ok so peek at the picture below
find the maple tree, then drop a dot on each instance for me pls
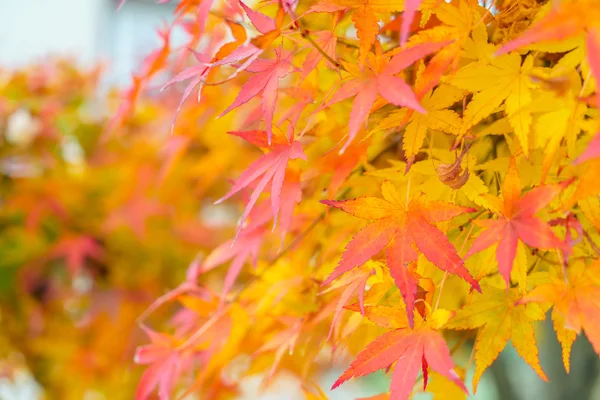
(406, 181)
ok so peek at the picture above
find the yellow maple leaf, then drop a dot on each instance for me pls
(504, 79)
(443, 388)
(499, 318)
(438, 117)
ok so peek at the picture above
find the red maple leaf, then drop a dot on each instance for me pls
(517, 222)
(415, 350)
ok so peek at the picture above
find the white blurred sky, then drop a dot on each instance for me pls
(89, 30)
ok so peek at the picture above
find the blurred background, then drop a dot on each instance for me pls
(87, 241)
(91, 31)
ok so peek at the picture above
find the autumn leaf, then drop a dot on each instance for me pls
(410, 8)
(402, 228)
(327, 41)
(241, 251)
(575, 305)
(458, 21)
(563, 22)
(517, 221)
(265, 82)
(367, 28)
(75, 249)
(380, 78)
(499, 318)
(421, 348)
(269, 168)
(504, 79)
(438, 117)
(199, 73)
(165, 365)
(354, 284)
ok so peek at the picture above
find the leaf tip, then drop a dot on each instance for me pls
(331, 203)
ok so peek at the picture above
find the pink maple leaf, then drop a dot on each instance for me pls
(135, 214)
(410, 8)
(269, 168)
(327, 42)
(75, 249)
(354, 282)
(381, 80)
(265, 82)
(165, 365)
(238, 252)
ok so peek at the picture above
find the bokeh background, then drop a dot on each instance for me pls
(88, 241)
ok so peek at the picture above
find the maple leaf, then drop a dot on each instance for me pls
(134, 214)
(270, 167)
(459, 21)
(438, 118)
(235, 52)
(341, 166)
(367, 27)
(199, 73)
(353, 283)
(75, 249)
(504, 79)
(564, 120)
(380, 78)
(156, 60)
(402, 228)
(500, 318)
(575, 305)
(284, 340)
(240, 251)
(326, 40)
(517, 221)
(265, 82)
(568, 20)
(410, 8)
(268, 27)
(415, 349)
(166, 364)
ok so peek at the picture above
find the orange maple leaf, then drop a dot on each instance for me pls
(576, 305)
(402, 227)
